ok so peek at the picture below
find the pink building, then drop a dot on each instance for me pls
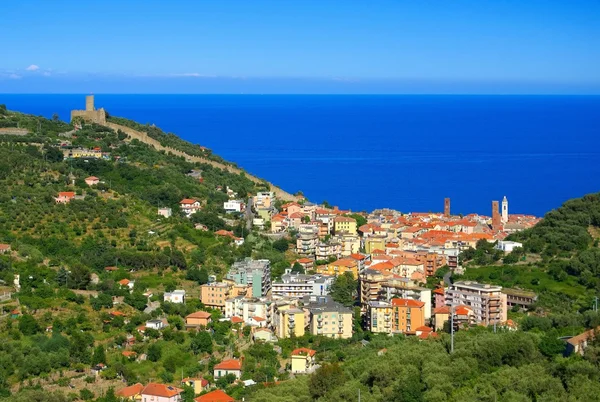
(92, 180)
(154, 392)
(65, 197)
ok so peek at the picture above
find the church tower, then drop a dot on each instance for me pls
(504, 210)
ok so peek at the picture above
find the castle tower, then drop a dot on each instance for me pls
(89, 103)
(446, 207)
(496, 219)
(504, 210)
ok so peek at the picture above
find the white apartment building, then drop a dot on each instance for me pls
(487, 301)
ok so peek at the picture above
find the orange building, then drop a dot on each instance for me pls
(214, 295)
(408, 314)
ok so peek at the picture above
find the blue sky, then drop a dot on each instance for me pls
(308, 46)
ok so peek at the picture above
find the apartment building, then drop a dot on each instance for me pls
(329, 249)
(289, 321)
(488, 303)
(343, 224)
(299, 285)
(340, 267)
(307, 240)
(327, 317)
(407, 315)
(215, 294)
(250, 310)
(378, 318)
(254, 273)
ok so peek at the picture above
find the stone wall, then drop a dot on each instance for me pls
(13, 131)
(95, 116)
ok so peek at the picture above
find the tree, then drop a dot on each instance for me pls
(343, 289)
(154, 352)
(281, 245)
(198, 275)
(55, 117)
(325, 379)
(53, 154)
(28, 325)
(99, 355)
(202, 343)
(297, 268)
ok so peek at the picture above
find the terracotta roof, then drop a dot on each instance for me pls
(439, 291)
(237, 320)
(217, 395)
(124, 282)
(442, 310)
(199, 314)
(424, 328)
(4, 246)
(69, 194)
(188, 201)
(111, 268)
(129, 353)
(231, 364)
(303, 352)
(258, 319)
(426, 335)
(130, 391)
(407, 303)
(92, 178)
(345, 262)
(577, 339)
(166, 391)
(304, 260)
(359, 257)
(117, 314)
(462, 310)
(344, 219)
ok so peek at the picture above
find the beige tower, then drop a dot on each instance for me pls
(504, 210)
(89, 103)
(446, 207)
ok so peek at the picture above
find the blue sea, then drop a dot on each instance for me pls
(405, 152)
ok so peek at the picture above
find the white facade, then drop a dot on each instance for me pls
(155, 324)
(166, 212)
(504, 210)
(234, 206)
(298, 285)
(176, 296)
(508, 246)
(247, 309)
(190, 206)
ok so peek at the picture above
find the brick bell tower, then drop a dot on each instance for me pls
(446, 207)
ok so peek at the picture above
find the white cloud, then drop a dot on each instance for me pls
(46, 74)
(14, 76)
(33, 67)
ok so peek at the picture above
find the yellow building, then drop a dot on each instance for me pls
(303, 360)
(198, 384)
(290, 321)
(343, 224)
(374, 243)
(328, 318)
(215, 294)
(339, 267)
(379, 316)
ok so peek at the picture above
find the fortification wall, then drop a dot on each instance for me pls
(13, 131)
(95, 116)
(143, 137)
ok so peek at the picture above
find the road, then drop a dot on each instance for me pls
(249, 215)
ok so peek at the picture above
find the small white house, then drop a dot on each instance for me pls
(155, 324)
(231, 366)
(166, 212)
(234, 206)
(508, 246)
(176, 296)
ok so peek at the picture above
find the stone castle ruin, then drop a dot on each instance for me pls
(90, 113)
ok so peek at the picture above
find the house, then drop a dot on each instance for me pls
(342, 224)
(198, 384)
(407, 315)
(131, 393)
(126, 283)
(215, 294)
(4, 248)
(197, 319)
(303, 360)
(130, 354)
(92, 180)
(508, 246)
(217, 395)
(155, 324)
(176, 296)
(579, 343)
(154, 392)
(234, 206)
(264, 334)
(231, 366)
(189, 206)
(98, 368)
(237, 320)
(166, 212)
(339, 267)
(65, 197)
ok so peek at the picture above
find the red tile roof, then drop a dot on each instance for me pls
(442, 310)
(217, 395)
(237, 320)
(129, 353)
(92, 178)
(231, 364)
(69, 194)
(188, 201)
(166, 391)
(259, 319)
(4, 247)
(124, 282)
(407, 303)
(303, 352)
(199, 314)
(130, 391)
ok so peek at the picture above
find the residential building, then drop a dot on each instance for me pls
(508, 246)
(264, 335)
(5, 248)
(488, 303)
(264, 199)
(252, 311)
(218, 395)
(299, 285)
(215, 294)
(198, 384)
(289, 321)
(234, 206)
(176, 296)
(189, 206)
(155, 324)
(379, 317)
(343, 224)
(131, 393)
(154, 392)
(374, 242)
(254, 273)
(324, 250)
(306, 263)
(92, 180)
(407, 315)
(308, 238)
(519, 297)
(327, 317)
(303, 361)
(64, 197)
(166, 212)
(197, 319)
(350, 243)
(339, 267)
(231, 366)
(578, 344)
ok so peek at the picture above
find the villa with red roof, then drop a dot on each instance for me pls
(4, 248)
(133, 392)
(189, 206)
(303, 360)
(161, 393)
(231, 366)
(64, 197)
(217, 395)
(92, 180)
